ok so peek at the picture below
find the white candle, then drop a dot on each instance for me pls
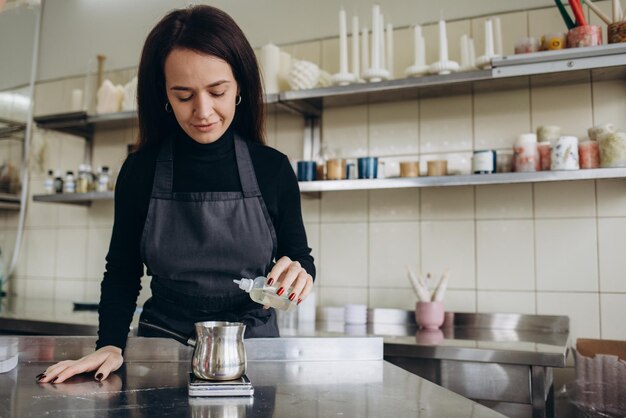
(472, 52)
(488, 38)
(417, 34)
(365, 50)
(270, 65)
(343, 43)
(381, 41)
(497, 36)
(443, 42)
(355, 47)
(390, 48)
(77, 100)
(375, 38)
(465, 51)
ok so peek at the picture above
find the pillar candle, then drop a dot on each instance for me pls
(375, 38)
(355, 47)
(77, 99)
(497, 36)
(472, 52)
(365, 50)
(343, 43)
(381, 41)
(488, 38)
(389, 33)
(443, 42)
(270, 64)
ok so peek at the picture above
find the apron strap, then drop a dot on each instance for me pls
(164, 172)
(249, 185)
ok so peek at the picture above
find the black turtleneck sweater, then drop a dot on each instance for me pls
(197, 168)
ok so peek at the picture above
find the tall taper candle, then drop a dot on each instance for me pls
(488, 38)
(343, 43)
(465, 51)
(417, 34)
(381, 40)
(355, 47)
(389, 33)
(365, 50)
(375, 37)
(443, 42)
(497, 39)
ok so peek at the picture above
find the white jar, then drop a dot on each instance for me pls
(565, 154)
(526, 154)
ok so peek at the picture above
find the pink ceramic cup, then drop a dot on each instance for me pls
(429, 315)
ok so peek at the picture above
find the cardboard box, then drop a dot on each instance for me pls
(600, 388)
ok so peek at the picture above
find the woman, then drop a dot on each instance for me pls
(201, 201)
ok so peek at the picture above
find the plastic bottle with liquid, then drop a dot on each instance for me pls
(69, 185)
(261, 293)
(48, 183)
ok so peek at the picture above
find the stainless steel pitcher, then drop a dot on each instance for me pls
(219, 352)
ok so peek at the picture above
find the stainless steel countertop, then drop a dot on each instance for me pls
(314, 378)
(540, 340)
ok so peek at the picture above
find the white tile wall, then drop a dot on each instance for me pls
(613, 308)
(392, 247)
(546, 248)
(504, 255)
(566, 252)
(582, 308)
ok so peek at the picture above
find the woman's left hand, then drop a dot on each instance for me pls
(287, 274)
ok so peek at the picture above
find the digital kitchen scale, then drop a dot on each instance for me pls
(223, 388)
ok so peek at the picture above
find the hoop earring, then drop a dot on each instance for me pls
(168, 107)
(238, 100)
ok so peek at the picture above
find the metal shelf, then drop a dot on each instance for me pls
(9, 201)
(546, 68)
(461, 180)
(74, 198)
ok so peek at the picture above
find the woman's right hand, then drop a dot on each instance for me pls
(104, 360)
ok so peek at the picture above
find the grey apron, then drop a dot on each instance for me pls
(195, 243)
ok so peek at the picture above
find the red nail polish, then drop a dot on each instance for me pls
(292, 297)
(54, 380)
(270, 282)
(280, 291)
(99, 377)
(299, 301)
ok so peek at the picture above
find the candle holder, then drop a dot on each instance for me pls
(484, 61)
(343, 79)
(443, 67)
(416, 70)
(374, 75)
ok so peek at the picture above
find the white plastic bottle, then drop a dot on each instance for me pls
(261, 293)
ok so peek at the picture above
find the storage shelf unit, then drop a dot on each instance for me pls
(9, 201)
(569, 66)
(74, 198)
(462, 180)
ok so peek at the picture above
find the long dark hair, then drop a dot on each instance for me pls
(207, 30)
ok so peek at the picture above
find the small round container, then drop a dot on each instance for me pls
(336, 169)
(612, 150)
(307, 170)
(544, 149)
(589, 154)
(548, 133)
(565, 154)
(582, 36)
(599, 130)
(409, 169)
(616, 32)
(437, 168)
(526, 154)
(504, 162)
(429, 315)
(368, 167)
(553, 41)
(527, 44)
(484, 162)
